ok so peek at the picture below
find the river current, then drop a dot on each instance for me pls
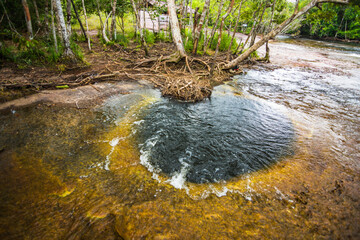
(274, 153)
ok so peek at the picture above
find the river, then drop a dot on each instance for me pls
(273, 154)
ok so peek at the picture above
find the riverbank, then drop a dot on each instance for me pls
(117, 64)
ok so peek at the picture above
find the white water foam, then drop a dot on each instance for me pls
(179, 179)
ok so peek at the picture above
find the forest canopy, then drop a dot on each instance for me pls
(333, 21)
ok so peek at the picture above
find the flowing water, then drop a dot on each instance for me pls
(273, 154)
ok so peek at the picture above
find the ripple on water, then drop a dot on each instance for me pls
(213, 140)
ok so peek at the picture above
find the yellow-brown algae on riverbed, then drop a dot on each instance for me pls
(307, 195)
(297, 195)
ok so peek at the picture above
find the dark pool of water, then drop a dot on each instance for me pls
(213, 140)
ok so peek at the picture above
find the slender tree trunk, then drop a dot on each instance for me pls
(339, 28)
(37, 14)
(143, 28)
(196, 18)
(11, 25)
(257, 24)
(28, 19)
(221, 26)
(235, 29)
(182, 13)
(122, 25)
(87, 25)
(210, 39)
(66, 38)
(267, 55)
(104, 28)
(113, 22)
(175, 28)
(220, 34)
(99, 14)
(206, 30)
(297, 13)
(78, 18)
(191, 15)
(345, 29)
(46, 17)
(107, 23)
(138, 23)
(53, 25)
(250, 34)
(200, 25)
(68, 16)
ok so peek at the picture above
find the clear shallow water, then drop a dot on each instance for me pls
(79, 174)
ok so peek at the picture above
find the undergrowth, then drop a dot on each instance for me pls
(26, 52)
(224, 44)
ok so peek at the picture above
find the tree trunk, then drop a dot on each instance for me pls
(99, 14)
(196, 18)
(104, 28)
(257, 24)
(339, 28)
(37, 14)
(267, 54)
(78, 18)
(87, 25)
(138, 25)
(53, 25)
(297, 13)
(206, 30)
(122, 25)
(191, 15)
(68, 17)
(113, 22)
(220, 34)
(175, 28)
(210, 39)
(28, 19)
(222, 25)
(66, 38)
(235, 29)
(182, 14)
(46, 17)
(200, 25)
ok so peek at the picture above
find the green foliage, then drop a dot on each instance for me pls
(6, 34)
(121, 40)
(30, 51)
(225, 42)
(77, 37)
(188, 41)
(254, 55)
(333, 21)
(53, 55)
(162, 36)
(77, 51)
(7, 53)
(149, 37)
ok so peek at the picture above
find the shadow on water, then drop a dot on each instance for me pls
(213, 140)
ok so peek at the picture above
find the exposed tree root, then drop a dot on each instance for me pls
(181, 77)
(187, 78)
(186, 88)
